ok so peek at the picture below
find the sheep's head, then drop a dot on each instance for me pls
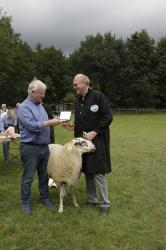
(85, 146)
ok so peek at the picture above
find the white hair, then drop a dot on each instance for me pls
(83, 78)
(35, 84)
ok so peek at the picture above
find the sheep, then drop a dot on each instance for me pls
(64, 164)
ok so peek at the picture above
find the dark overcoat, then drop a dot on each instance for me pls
(93, 113)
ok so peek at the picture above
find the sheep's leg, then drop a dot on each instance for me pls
(74, 197)
(64, 193)
(61, 194)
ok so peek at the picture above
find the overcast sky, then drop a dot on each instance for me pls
(64, 23)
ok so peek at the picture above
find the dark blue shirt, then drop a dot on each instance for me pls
(31, 117)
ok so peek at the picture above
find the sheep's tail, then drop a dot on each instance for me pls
(51, 183)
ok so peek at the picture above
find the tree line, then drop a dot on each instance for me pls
(131, 73)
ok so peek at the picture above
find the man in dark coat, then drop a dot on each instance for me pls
(92, 119)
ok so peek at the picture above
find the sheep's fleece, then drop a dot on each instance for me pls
(65, 162)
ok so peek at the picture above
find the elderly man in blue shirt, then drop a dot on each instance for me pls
(8, 119)
(35, 137)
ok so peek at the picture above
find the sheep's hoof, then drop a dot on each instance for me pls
(77, 205)
(60, 211)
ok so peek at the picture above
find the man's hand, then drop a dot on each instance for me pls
(10, 133)
(89, 135)
(52, 122)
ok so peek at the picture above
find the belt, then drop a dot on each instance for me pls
(34, 144)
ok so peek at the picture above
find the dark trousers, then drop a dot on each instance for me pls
(34, 157)
(6, 146)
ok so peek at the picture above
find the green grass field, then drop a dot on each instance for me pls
(137, 189)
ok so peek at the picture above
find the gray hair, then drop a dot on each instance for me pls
(35, 84)
(3, 105)
(83, 78)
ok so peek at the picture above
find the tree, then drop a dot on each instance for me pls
(131, 73)
(161, 71)
(16, 63)
(141, 66)
(100, 57)
(51, 68)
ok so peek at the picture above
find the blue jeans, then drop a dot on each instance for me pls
(6, 150)
(34, 157)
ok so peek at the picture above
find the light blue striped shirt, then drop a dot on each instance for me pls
(31, 117)
(6, 121)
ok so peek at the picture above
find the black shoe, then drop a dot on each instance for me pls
(47, 203)
(104, 210)
(26, 209)
(90, 204)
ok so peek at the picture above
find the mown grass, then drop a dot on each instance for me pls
(137, 188)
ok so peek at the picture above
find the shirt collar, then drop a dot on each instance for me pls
(32, 100)
(85, 96)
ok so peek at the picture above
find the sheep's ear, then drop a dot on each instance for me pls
(69, 148)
